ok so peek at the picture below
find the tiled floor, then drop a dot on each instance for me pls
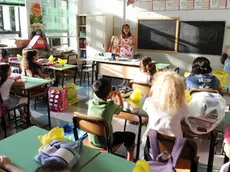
(84, 93)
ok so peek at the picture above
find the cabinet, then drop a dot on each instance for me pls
(94, 32)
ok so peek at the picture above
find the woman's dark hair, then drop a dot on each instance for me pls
(201, 65)
(223, 58)
(102, 88)
(28, 57)
(52, 166)
(123, 33)
(4, 53)
(4, 69)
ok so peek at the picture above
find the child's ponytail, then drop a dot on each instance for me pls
(223, 58)
(151, 69)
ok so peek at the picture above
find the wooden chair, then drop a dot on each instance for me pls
(188, 161)
(96, 126)
(143, 87)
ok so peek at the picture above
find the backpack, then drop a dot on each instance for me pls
(57, 99)
(206, 111)
(71, 93)
(157, 161)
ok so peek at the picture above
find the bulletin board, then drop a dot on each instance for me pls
(170, 5)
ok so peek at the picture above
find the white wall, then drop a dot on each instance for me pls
(133, 12)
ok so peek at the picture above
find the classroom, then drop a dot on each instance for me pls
(114, 85)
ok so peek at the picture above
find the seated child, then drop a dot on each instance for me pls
(29, 63)
(4, 56)
(226, 166)
(166, 107)
(7, 166)
(6, 83)
(147, 70)
(200, 76)
(105, 104)
(53, 166)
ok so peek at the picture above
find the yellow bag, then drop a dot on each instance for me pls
(187, 96)
(222, 76)
(54, 134)
(141, 166)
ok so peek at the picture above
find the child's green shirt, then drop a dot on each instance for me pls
(105, 110)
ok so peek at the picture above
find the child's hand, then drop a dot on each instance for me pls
(4, 161)
(116, 97)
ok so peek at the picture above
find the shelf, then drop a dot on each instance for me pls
(81, 25)
(82, 48)
(81, 37)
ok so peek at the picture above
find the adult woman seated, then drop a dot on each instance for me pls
(201, 77)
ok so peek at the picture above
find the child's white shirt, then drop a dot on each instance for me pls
(225, 167)
(162, 122)
(5, 88)
(142, 77)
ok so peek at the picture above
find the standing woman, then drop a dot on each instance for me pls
(127, 42)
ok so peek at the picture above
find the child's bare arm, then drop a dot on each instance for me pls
(6, 164)
(116, 97)
(41, 74)
(18, 84)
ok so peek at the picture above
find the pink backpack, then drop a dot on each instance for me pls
(58, 99)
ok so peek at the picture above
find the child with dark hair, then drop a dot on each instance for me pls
(29, 63)
(53, 166)
(6, 83)
(4, 56)
(106, 104)
(200, 76)
(147, 70)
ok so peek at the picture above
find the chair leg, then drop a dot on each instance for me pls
(15, 119)
(35, 103)
(92, 76)
(84, 76)
(4, 126)
(88, 78)
(125, 125)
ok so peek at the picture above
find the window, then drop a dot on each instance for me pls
(60, 21)
(9, 21)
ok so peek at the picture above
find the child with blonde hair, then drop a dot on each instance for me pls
(166, 107)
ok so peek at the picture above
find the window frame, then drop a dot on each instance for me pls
(2, 18)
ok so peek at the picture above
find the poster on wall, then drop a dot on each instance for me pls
(172, 5)
(146, 5)
(36, 19)
(201, 4)
(228, 3)
(186, 4)
(217, 4)
(158, 5)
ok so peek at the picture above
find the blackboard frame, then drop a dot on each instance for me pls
(204, 51)
(160, 19)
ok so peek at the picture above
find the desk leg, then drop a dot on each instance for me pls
(48, 109)
(96, 76)
(62, 79)
(28, 109)
(211, 152)
(139, 138)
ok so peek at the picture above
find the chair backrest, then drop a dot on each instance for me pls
(143, 87)
(192, 91)
(93, 125)
(72, 58)
(189, 151)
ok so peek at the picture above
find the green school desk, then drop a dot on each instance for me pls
(23, 146)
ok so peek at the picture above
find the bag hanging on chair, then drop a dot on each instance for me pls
(58, 99)
(71, 93)
(158, 161)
